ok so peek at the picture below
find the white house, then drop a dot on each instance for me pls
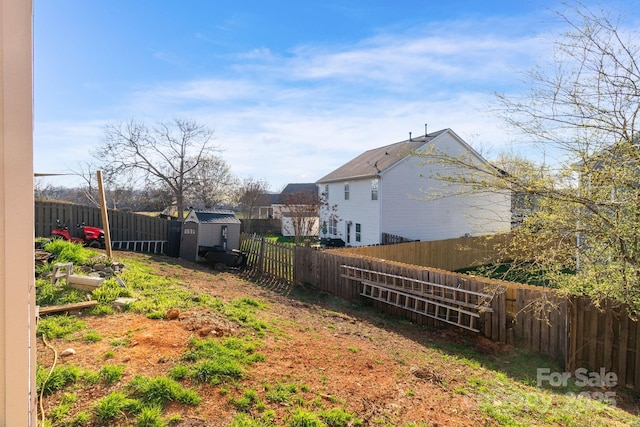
(389, 190)
(297, 208)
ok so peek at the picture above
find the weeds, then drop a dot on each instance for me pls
(159, 391)
(49, 294)
(53, 327)
(110, 374)
(49, 381)
(303, 418)
(339, 417)
(114, 405)
(64, 251)
(150, 417)
(92, 336)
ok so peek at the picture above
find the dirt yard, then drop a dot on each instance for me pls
(386, 371)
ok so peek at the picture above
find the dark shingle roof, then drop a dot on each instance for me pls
(216, 216)
(295, 188)
(372, 162)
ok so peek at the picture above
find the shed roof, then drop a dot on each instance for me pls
(373, 162)
(216, 217)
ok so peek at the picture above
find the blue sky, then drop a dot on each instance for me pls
(293, 89)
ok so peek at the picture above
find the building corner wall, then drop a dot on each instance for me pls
(17, 283)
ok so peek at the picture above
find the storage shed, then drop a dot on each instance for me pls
(208, 228)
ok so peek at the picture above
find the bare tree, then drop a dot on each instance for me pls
(167, 154)
(251, 195)
(87, 171)
(301, 213)
(211, 183)
(583, 231)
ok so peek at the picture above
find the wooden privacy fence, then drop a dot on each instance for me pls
(450, 254)
(268, 259)
(326, 271)
(571, 330)
(123, 226)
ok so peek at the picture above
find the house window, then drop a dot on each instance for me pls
(374, 189)
(326, 192)
(346, 191)
(333, 226)
(358, 233)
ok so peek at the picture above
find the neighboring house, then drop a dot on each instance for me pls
(293, 205)
(298, 209)
(387, 191)
(264, 208)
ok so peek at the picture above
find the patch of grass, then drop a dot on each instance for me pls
(241, 310)
(59, 326)
(219, 361)
(114, 405)
(245, 420)
(109, 291)
(64, 251)
(304, 418)
(339, 417)
(120, 342)
(513, 403)
(281, 393)
(48, 294)
(110, 374)
(150, 417)
(82, 418)
(51, 380)
(92, 336)
(159, 391)
(215, 371)
(59, 413)
(178, 372)
(245, 402)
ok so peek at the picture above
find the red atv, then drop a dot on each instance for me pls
(89, 236)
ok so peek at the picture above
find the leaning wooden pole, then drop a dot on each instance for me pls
(105, 216)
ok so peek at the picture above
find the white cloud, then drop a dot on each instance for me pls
(297, 117)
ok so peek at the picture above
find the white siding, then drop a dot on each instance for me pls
(359, 209)
(418, 206)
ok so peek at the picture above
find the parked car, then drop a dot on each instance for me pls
(331, 242)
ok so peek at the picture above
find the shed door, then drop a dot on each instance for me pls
(189, 241)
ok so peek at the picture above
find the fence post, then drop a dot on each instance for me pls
(261, 256)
